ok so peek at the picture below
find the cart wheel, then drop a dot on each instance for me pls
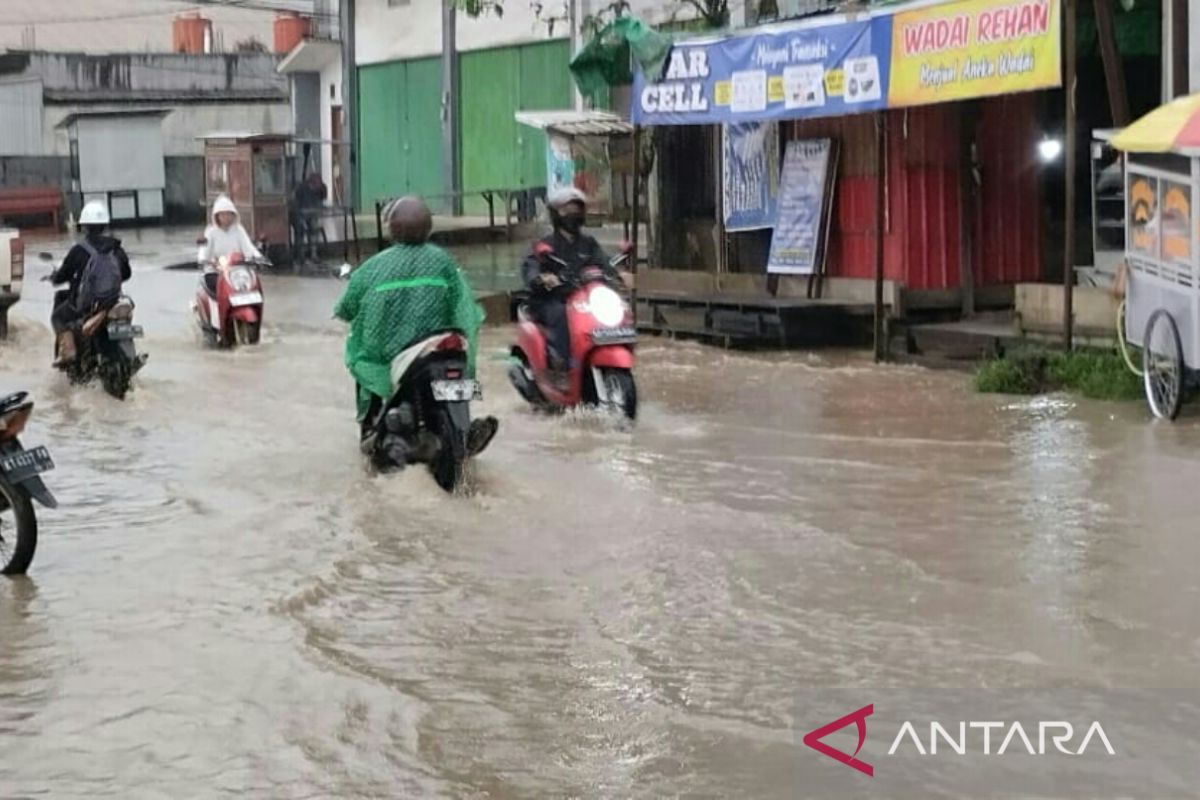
(1162, 362)
(1131, 354)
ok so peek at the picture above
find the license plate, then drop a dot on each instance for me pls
(614, 335)
(124, 330)
(25, 464)
(456, 391)
(246, 299)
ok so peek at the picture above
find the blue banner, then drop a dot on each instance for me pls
(821, 69)
(751, 175)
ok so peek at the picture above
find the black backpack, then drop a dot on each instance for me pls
(100, 282)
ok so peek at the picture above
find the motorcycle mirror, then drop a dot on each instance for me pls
(44, 256)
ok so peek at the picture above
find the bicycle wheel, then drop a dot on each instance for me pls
(1162, 360)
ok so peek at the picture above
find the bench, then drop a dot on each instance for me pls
(30, 201)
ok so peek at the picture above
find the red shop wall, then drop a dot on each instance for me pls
(922, 238)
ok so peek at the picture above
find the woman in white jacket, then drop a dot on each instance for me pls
(226, 235)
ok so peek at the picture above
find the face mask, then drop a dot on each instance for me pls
(572, 223)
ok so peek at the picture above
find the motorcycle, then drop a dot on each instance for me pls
(428, 417)
(104, 345)
(20, 482)
(602, 341)
(229, 301)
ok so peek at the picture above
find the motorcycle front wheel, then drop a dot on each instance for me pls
(18, 530)
(621, 391)
(246, 332)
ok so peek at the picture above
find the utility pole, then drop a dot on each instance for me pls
(1069, 173)
(450, 178)
(346, 153)
(573, 23)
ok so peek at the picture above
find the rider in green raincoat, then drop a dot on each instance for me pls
(399, 296)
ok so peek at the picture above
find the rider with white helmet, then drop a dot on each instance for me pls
(95, 244)
(546, 278)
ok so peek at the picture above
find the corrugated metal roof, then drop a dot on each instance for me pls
(121, 112)
(243, 135)
(576, 123)
(81, 97)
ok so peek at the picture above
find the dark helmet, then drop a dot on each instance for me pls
(409, 220)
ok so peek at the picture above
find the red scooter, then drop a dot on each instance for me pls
(602, 341)
(229, 302)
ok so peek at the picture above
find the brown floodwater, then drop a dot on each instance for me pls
(227, 605)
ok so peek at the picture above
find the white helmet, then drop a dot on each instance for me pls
(94, 213)
(566, 194)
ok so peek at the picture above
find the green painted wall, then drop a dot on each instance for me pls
(400, 121)
(496, 151)
(400, 135)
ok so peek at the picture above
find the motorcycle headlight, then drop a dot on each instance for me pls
(606, 306)
(241, 280)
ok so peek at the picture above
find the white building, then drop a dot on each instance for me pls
(127, 26)
(56, 109)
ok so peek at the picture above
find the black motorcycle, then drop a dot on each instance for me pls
(19, 483)
(428, 418)
(104, 347)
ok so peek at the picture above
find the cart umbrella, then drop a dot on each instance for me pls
(1171, 127)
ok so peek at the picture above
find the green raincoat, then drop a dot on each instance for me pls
(394, 299)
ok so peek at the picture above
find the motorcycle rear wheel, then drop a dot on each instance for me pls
(116, 376)
(16, 553)
(448, 466)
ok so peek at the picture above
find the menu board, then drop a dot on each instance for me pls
(798, 240)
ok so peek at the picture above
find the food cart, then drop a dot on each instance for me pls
(1162, 250)
(251, 168)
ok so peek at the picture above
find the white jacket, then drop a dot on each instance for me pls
(220, 241)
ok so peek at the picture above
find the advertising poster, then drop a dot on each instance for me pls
(751, 175)
(796, 242)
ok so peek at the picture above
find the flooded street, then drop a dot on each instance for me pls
(226, 605)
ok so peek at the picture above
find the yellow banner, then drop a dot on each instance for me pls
(974, 48)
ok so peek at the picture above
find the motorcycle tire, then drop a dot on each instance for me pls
(619, 382)
(448, 465)
(116, 376)
(246, 332)
(17, 554)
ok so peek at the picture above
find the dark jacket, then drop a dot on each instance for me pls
(583, 252)
(71, 269)
(306, 199)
